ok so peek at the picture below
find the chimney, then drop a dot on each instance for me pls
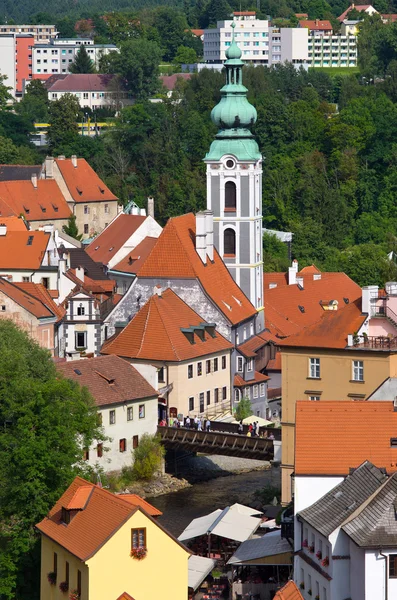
(157, 290)
(49, 167)
(209, 226)
(74, 161)
(292, 271)
(201, 236)
(3, 229)
(150, 207)
(34, 181)
(61, 157)
(80, 273)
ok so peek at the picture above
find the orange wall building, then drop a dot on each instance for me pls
(23, 61)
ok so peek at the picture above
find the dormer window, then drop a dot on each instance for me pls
(80, 310)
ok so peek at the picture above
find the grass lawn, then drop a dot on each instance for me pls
(337, 70)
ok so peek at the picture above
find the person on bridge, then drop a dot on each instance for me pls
(207, 425)
(199, 427)
(187, 422)
(241, 428)
(196, 421)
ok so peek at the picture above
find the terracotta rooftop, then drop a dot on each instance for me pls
(23, 249)
(109, 379)
(135, 259)
(258, 378)
(274, 364)
(79, 82)
(155, 333)
(37, 290)
(316, 25)
(136, 500)
(343, 435)
(103, 286)
(290, 308)
(358, 7)
(174, 257)
(14, 223)
(29, 302)
(331, 330)
(289, 592)
(42, 203)
(79, 500)
(113, 237)
(169, 81)
(83, 183)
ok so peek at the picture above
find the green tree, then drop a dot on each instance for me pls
(46, 422)
(217, 10)
(170, 27)
(147, 457)
(243, 409)
(34, 104)
(5, 96)
(82, 62)
(184, 56)
(63, 117)
(72, 229)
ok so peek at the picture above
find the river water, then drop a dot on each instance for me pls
(179, 508)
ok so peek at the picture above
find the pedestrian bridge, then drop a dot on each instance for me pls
(216, 442)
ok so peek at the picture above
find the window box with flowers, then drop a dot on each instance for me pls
(325, 562)
(305, 544)
(311, 549)
(64, 586)
(74, 595)
(319, 554)
(52, 577)
(138, 553)
(302, 585)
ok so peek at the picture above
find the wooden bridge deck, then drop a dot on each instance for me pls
(216, 442)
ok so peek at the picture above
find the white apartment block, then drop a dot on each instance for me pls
(42, 33)
(260, 43)
(332, 51)
(57, 56)
(7, 60)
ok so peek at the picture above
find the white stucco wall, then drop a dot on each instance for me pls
(149, 228)
(310, 489)
(375, 565)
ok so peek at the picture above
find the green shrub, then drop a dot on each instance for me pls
(147, 457)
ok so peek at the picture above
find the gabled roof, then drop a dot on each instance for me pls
(358, 7)
(331, 330)
(174, 256)
(19, 172)
(330, 511)
(78, 257)
(135, 259)
(250, 347)
(103, 286)
(105, 245)
(83, 183)
(81, 82)
(258, 378)
(274, 364)
(125, 596)
(331, 437)
(169, 81)
(316, 25)
(289, 592)
(37, 290)
(374, 525)
(23, 249)
(109, 379)
(103, 514)
(155, 332)
(14, 223)
(42, 203)
(289, 308)
(136, 500)
(27, 301)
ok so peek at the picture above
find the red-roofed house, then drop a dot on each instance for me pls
(127, 403)
(93, 91)
(317, 27)
(289, 591)
(367, 8)
(190, 358)
(87, 196)
(89, 545)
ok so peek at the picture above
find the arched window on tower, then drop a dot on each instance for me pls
(230, 196)
(229, 242)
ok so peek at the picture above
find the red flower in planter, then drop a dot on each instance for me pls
(325, 562)
(319, 554)
(74, 595)
(52, 578)
(305, 544)
(138, 553)
(64, 586)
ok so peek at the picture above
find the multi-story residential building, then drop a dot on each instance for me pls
(89, 541)
(92, 91)
(8, 58)
(89, 199)
(190, 358)
(358, 343)
(333, 50)
(41, 33)
(126, 402)
(59, 54)
(24, 44)
(260, 43)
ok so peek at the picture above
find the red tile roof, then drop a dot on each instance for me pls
(316, 25)
(109, 379)
(101, 286)
(311, 269)
(79, 82)
(245, 13)
(138, 501)
(174, 257)
(14, 223)
(80, 498)
(274, 364)
(331, 330)
(358, 7)
(250, 347)
(169, 81)
(125, 596)
(135, 259)
(155, 333)
(282, 312)
(43, 203)
(391, 17)
(113, 237)
(258, 378)
(198, 32)
(289, 592)
(334, 436)
(15, 253)
(41, 293)
(29, 302)
(83, 183)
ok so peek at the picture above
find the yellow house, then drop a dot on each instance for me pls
(319, 363)
(99, 546)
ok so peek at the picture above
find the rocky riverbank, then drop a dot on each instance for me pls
(163, 484)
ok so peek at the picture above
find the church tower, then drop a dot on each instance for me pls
(234, 184)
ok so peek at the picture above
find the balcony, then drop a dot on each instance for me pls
(373, 342)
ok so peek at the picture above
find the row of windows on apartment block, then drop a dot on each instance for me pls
(129, 414)
(254, 34)
(54, 52)
(357, 369)
(211, 366)
(204, 399)
(123, 447)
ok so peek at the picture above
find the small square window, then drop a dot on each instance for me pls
(112, 417)
(191, 403)
(122, 445)
(138, 538)
(216, 395)
(239, 364)
(224, 393)
(141, 411)
(223, 362)
(208, 397)
(190, 371)
(199, 369)
(314, 368)
(255, 391)
(358, 370)
(207, 366)
(130, 413)
(215, 365)
(86, 210)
